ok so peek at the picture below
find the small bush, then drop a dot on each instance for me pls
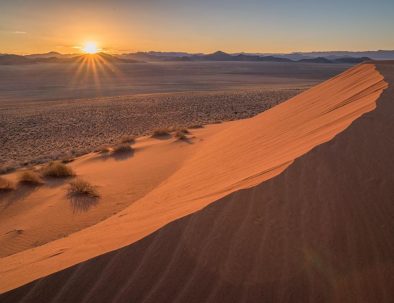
(161, 132)
(67, 160)
(183, 130)
(30, 177)
(103, 150)
(196, 126)
(81, 187)
(127, 139)
(180, 135)
(122, 148)
(6, 185)
(57, 170)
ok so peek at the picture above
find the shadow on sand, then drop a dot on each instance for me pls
(82, 203)
(9, 197)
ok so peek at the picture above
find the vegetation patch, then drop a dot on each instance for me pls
(81, 187)
(57, 170)
(122, 148)
(127, 139)
(30, 177)
(161, 132)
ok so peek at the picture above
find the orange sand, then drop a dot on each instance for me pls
(232, 157)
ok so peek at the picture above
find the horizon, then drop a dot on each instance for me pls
(203, 27)
(203, 53)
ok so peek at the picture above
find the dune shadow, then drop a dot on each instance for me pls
(185, 140)
(22, 191)
(56, 182)
(82, 203)
(122, 155)
(162, 137)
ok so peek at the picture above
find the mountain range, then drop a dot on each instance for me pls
(311, 57)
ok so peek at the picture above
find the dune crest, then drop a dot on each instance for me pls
(242, 155)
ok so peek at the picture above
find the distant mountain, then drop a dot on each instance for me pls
(53, 57)
(333, 55)
(351, 60)
(13, 60)
(216, 56)
(316, 60)
(47, 55)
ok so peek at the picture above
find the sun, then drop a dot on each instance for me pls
(90, 48)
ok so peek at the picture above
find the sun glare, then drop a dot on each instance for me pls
(90, 48)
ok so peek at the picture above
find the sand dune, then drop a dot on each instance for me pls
(303, 212)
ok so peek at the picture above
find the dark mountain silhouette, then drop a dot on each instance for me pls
(53, 57)
(316, 60)
(352, 60)
(47, 55)
(13, 60)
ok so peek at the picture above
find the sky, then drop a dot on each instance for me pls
(259, 26)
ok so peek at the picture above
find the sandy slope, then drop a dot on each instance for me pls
(252, 243)
(120, 179)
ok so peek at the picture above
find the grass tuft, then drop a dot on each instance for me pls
(57, 170)
(30, 177)
(127, 139)
(79, 187)
(180, 135)
(196, 126)
(122, 148)
(161, 132)
(103, 150)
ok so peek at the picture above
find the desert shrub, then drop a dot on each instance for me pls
(127, 139)
(57, 170)
(161, 132)
(183, 130)
(103, 150)
(83, 188)
(196, 126)
(67, 160)
(30, 177)
(6, 185)
(122, 148)
(180, 135)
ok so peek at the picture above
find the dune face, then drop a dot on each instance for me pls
(303, 213)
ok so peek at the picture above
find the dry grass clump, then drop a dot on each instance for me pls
(67, 160)
(122, 148)
(57, 170)
(180, 135)
(196, 126)
(30, 177)
(79, 187)
(6, 185)
(103, 150)
(184, 130)
(161, 132)
(127, 139)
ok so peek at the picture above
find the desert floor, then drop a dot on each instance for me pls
(52, 111)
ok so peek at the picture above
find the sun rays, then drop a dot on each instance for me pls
(95, 69)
